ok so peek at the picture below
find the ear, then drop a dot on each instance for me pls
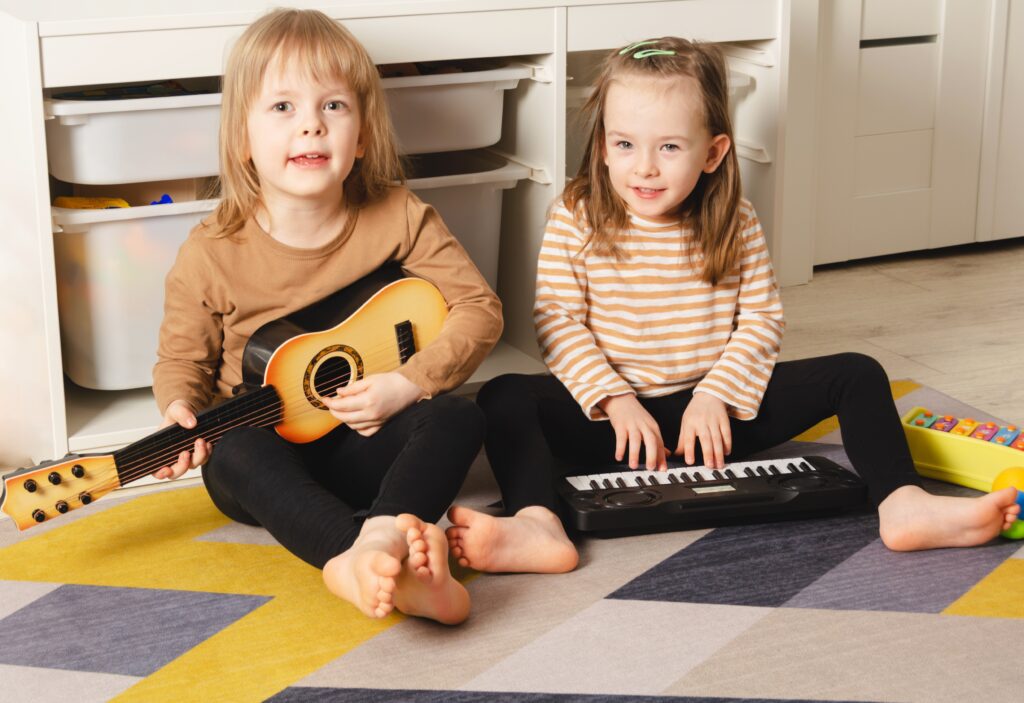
(361, 145)
(720, 145)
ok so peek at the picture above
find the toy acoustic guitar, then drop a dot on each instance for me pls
(372, 326)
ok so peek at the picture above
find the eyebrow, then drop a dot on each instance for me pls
(624, 135)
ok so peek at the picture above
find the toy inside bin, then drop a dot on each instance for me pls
(111, 266)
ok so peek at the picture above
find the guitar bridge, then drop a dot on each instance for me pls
(406, 343)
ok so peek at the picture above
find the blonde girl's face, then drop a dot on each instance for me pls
(656, 145)
(304, 136)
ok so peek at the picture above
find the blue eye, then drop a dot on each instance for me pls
(282, 107)
(623, 144)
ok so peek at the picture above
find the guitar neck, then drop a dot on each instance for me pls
(259, 408)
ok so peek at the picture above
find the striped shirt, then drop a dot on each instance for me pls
(648, 324)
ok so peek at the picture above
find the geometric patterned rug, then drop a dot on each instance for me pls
(158, 597)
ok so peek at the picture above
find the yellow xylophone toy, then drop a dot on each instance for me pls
(981, 455)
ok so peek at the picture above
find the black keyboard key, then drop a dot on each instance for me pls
(607, 483)
(620, 483)
(805, 467)
(593, 484)
(761, 471)
(774, 470)
(749, 472)
(730, 473)
(718, 475)
(672, 478)
(651, 480)
(639, 481)
(793, 467)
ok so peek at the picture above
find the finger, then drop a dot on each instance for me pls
(651, 443)
(662, 456)
(369, 431)
(620, 443)
(200, 453)
(183, 416)
(726, 430)
(635, 442)
(707, 450)
(717, 449)
(686, 442)
(353, 388)
(182, 465)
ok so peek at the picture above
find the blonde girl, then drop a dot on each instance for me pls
(311, 203)
(658, 315)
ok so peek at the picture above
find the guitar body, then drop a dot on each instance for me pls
(372, 326)
(309, 366)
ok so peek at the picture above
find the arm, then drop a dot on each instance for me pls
(741, 374)
(474, 321)
(559, 314)
(189, 348)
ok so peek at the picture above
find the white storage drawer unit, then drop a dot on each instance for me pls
(111, 266)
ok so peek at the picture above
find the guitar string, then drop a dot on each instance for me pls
(279, 408)
(342, 379)
(147, 466)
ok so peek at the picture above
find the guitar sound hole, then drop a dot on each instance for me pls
(334, 373)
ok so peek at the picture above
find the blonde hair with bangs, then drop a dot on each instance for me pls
(327, 51)
(712, 209)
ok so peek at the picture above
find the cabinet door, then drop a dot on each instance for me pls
(1001, 210)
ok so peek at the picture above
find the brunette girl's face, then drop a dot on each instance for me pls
(656, 143)
(304, 136)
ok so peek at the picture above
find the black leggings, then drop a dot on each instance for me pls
(536, 431)
(313, 498)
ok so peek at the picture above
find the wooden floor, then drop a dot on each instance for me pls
(952, 319)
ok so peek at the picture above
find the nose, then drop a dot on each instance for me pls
(312, 125)
(646, 165)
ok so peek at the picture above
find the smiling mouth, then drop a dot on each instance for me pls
(311, 159)
(647, 192)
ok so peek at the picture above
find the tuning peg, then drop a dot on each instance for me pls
(38, 515)
(62, 507)
(53, 477)
(30, 485)
(78, 471)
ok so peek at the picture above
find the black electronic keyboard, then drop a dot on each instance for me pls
(684, 497)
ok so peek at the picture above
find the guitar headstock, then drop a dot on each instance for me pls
(37, 494)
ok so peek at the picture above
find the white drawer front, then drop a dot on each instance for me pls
(885, 19)
(92, 59)
(891, 223)
(897, 88)
(888, 163)
(608, 26)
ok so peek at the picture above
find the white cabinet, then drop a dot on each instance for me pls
(899, 125)
(1000, 205)
(61, 44)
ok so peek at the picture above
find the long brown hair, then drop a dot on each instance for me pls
(329, 52)
(712, 209)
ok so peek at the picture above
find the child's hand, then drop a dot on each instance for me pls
(635, 428)
(705, 419)
(368, 403)
(179, 412)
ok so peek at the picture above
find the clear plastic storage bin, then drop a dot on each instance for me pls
(133, 139)
(111, 266)
(466, 189)
(450, 111)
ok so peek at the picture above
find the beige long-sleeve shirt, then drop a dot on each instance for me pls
(221, 290)
(649, 325)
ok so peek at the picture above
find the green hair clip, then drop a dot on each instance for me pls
(644, 53)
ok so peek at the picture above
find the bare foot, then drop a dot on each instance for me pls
(911, 518)
(365, 574)
(425, 585)
(533, 541)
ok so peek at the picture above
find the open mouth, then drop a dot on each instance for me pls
(311, 159)
(648, 192)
